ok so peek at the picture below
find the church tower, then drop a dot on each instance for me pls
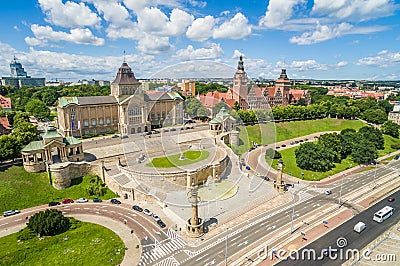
(240, 82)
(283, 85)
(125, 83)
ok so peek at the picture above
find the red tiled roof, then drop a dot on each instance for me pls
(212, 98)
(5, 103)
(230, 102)
(4, 122)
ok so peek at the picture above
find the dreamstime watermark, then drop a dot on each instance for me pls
(341, 253)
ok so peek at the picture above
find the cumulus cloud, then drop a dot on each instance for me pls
(381, 59)
(355, 9)
(78, 36)
(236, 28)
(341, 64)
(322, 33)
(113, 12)
(277, 13)
(68, 15)
(214, 51)
(237, 53)
(150, 44)
(307, 65)
(201, 29)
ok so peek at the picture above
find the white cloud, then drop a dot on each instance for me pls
(277, 12)
(355, 9)
(236, 28)
(341, 64)
(385, 59)
(322, 33)
(78, 36)
(151, 19)
(68, 15)
(179, 21)
(150, 44)
(307, 65)
(201, 29)
(237, 53)
(214, 51)
(113, 12)
(130, 31)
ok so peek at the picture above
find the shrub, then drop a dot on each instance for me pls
(49, 223)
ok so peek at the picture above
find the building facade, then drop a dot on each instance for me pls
(395, 114)
(20, 78)
(253, 97)
(128, 109)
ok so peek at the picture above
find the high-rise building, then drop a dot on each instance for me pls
(20, 78)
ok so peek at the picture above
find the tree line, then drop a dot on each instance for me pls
(361, 145)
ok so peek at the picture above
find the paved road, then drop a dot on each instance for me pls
(308, 199)
(354, 240)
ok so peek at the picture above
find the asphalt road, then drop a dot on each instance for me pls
(354, 240)
(242, 235)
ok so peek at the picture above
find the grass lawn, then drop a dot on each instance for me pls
(274, 132)
(20, 189)
(291, 168)
(173, 160)
(83, 244)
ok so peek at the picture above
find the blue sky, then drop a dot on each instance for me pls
(320, 39)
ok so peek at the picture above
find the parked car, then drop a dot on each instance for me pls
(137, 208)
(147, 212)
(66, 201)
(115, 201)
(82, 200)
(161, 223)
(155, 217)
(328, 192)
(173, 129)
(390, 199)
(97, 200)
(283, 145)
(53, 203)
(396, 157)
(292, 143)
(10, 212)
(115, 136)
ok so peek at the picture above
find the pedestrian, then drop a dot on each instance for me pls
(132, 231)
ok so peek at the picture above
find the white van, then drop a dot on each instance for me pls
(359, 227)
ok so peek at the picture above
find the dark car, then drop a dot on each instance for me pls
(115, 201)
(265, 177)
(137, 208)
(115, 136)
(54, 203)
(397, 157)
(66, 201)
(161, 223)
(97, 200)
(283, 145)
(390, 199)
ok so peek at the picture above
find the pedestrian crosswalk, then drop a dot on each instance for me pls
(170, 261)
(163, 249)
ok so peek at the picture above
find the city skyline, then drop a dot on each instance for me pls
(73, 40)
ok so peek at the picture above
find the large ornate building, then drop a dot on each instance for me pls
(253, 97)
(127, 110)
(20, 78)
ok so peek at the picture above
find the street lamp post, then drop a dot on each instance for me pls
(291, 225)
(373, 180)
(340, 193)
(226, 248)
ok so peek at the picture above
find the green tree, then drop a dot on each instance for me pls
(375, 115)
(24, 133)
(364, 152)
(8, 147)
(18, 117)
(331, 143)
(347, 137)
(272, 154)
(217, 107)
(38, 109)
(390, 128)
(372, 135)
(310, 156)
(191, 106)
(386, 106)
(49, 223)
(236, 106)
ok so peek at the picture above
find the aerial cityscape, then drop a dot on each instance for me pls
(141, 132)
